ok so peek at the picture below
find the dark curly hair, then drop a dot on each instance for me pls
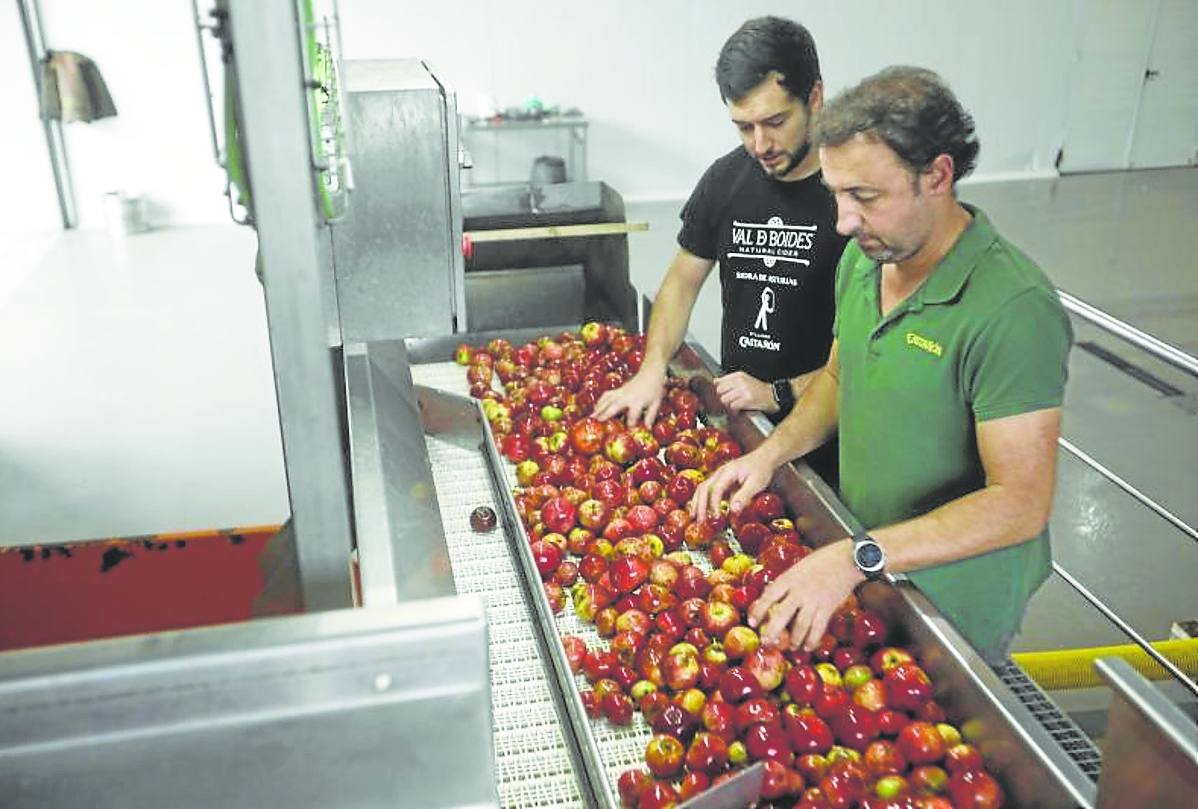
(763, 45)
(912, 111)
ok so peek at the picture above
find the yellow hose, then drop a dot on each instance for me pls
(1074, 668)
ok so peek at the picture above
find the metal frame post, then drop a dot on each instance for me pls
(274, 116)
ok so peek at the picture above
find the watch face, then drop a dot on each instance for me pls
(869, 555)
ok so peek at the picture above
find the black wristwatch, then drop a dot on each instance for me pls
(784, 395)
(869, 556)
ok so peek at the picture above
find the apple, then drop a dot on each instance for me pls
(576, 651)
(652, 705)
(882, 757)
(856, 675)
(618, 708)
(975, 789)
(961, 757)
(780, 556)
(756, 711)
(846, 656)
(950, 734)
(908, 688)
(590, 703)
(631, 784)
(844, 786)
(812, 766)
(768, 742)
(921, 743)
(692, 583)
(605, 621)
(869, 629)
(891, 786)
(681, 671)
(855, 726)
(737, 565)
(831, 700)
(718, 618)
(737, 684)
(659, 795)
(692, 784)
(625, 646)
(719, 717)
(691, 700)
(890, 721)
(611, 491)
(872, 695)
(555, 595)
(719, 551)
(928, 779)
(768, 665)
(708, 753)
(593, 514)
(628, 573)
(642, 518)
(653, 492)
(589, 599)
(766, 506)
(673, 720)
(803, 683)
(775, 781)
(546, 557)
(888, 657)
(653, 598)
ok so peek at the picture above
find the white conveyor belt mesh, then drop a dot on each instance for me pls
(520, 695)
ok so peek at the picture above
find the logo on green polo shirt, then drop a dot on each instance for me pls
(919, 341)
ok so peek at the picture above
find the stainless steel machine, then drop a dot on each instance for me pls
(426, 669)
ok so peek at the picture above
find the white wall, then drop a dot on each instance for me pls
(158, 144)
(641, 71)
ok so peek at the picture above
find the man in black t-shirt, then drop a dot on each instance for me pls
(763, 214)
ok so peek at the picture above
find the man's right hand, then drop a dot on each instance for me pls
(749, 474)
(639, 396)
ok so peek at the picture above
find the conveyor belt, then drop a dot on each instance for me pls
(620, 747)
(1076, 744)
(532, 764)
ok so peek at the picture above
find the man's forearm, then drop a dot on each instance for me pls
(984, 520)
(667, 324)
(810, 423)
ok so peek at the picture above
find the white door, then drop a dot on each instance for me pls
(1133, 97)
(1166, 128)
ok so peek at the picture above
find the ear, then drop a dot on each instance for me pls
(938, 178)
(815, 99)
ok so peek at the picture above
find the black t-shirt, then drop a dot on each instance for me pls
(777, 246)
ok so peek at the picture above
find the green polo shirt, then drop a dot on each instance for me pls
(983, 337)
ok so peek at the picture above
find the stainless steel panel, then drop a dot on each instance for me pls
(277, 150)
(401, 541)
(1151, 745)
(397, 259)
(519, 298)
(369, 708)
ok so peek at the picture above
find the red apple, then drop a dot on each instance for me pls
(907, 687)
(921, 743)
(975, 789)
(882, 757)
(708, 753)
(756, 711)
(803, 684)
(807, 732)
(628, 573)
(768, 665)
(768, 742)
(766, 506)
(737, 684)
(631, 784)
(961, 757)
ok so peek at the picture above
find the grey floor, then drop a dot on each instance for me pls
(139, 398)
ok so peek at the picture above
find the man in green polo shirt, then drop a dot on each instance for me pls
(945, 381)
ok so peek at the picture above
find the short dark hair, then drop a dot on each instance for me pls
(911, 110)
(764, 45)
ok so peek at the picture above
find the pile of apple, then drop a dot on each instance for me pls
(852, 724)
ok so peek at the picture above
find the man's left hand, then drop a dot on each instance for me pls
(739, 391)
(804, 597)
